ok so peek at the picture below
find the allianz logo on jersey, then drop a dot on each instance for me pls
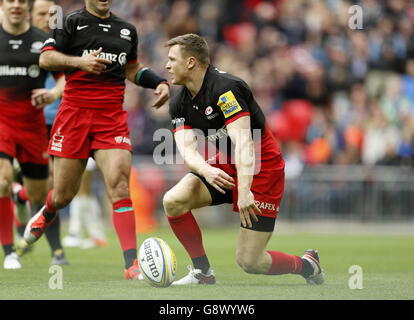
(32, 71)
(214, 135)
(121, 58)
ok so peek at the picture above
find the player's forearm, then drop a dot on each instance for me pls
(56, 61)
(187, 145)
(240, 134)
(194, 161)
(57, 90)
(132, 70)
(245, 162)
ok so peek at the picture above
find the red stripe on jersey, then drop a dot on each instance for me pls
(181, 128)
(48, 48)
(133, 61)
(243, 114)
(85, 90)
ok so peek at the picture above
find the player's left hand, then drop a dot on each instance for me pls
(163, 91)
(41, 98)
(247, 208)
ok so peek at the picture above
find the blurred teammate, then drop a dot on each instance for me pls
(22, 124)
(98, 50)
(223, 108)
(41, 18)
(85, 208)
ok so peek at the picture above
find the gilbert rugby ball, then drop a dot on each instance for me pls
(157, 262)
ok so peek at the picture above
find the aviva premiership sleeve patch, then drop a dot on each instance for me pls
(228, 104)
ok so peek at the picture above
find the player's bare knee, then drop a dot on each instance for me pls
(249, 267)
(118, 191)
(173, 206)
(247, 263)
(168, 202)
(61, 199)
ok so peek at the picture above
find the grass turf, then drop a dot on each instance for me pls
(97, 274)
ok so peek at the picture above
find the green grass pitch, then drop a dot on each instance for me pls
(387, 262)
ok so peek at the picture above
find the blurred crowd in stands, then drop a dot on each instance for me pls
(331, 94)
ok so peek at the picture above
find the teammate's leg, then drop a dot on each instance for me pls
(94, 221)
(67, 175)
(66, 181)
(189, 193)
(115, 165)
(85, 211)
(36, 187)
(78, 207)
(53, 232)
(37, 190)
(22, 206)
(11, 260)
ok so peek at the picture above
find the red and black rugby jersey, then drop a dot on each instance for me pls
(83, 33)
(20, 74)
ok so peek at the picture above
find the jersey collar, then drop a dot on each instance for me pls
(12, 35)
(203, 85)
(97, 18)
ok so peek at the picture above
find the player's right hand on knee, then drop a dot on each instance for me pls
(218, 179)
(247, 207)
(92, 64)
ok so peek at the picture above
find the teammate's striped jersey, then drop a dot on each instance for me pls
(20, 74)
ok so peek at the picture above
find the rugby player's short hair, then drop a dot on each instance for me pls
(192, 45)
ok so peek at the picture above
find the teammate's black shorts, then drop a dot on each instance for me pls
(30, 170)
(265, 224)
